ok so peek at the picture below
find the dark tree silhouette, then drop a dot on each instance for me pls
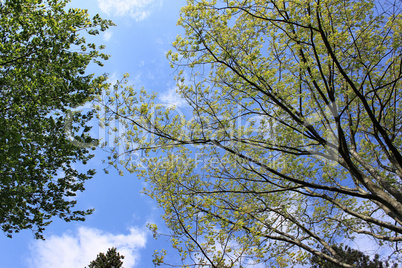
(112, 259)
(353, 257)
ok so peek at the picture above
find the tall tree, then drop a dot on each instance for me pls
(294, 143)
(112, 259)
(353, 257)
(43, 59)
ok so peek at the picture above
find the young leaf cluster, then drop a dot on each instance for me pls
(294, 141)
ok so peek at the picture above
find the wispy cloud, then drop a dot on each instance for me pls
(171, 97)
(137, 9)
(78, 250)
(107, 35)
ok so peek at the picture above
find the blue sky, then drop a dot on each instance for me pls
(138, 44)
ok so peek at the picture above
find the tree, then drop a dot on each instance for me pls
(112, 259)
(43, 59)
(294, 142)
(353, 257)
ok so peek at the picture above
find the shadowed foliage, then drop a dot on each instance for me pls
(352, 257)
(43, 58)
(112, 259)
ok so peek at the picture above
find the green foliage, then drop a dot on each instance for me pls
(43, 59)
(352, 257)
(112, 259)
(294, 142)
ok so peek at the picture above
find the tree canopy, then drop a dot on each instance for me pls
(43, 58)
(112, 259)
(353, 257)
(294, 141)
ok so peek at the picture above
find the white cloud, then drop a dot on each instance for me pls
(107, 35)
(137, 9)
(172, 98)
(69, 250)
